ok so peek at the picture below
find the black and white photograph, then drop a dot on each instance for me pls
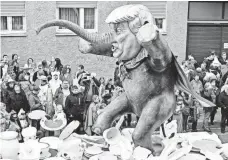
(114, 80)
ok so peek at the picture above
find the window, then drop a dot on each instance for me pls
(13, 18)
(208, 11)
(158, 10)
(82, 13)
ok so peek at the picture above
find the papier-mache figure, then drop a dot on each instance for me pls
(148, 71)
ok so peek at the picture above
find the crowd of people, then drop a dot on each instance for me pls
(52, 87)
(209, 79)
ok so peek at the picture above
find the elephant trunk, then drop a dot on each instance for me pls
(91, 37)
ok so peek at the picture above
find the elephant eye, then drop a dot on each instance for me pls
(118, 31)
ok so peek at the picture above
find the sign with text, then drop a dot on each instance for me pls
(225, 45)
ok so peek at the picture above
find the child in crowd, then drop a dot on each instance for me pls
(178, 114)
(197, 84)
(91, 115)
(59, 115)
(195, 114)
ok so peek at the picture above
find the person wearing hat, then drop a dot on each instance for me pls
(74, 106)
(223, 103)
(34, 100)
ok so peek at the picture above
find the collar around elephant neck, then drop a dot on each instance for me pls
(131, 64)
(135, 62)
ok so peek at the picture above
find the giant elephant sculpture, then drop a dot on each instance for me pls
(148, 70)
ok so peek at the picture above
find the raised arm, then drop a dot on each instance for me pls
(159, 52)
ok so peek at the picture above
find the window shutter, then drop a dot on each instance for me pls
(76, 4)
(13, 8)
(157, 8)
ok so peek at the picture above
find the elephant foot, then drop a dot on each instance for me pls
(117, 107)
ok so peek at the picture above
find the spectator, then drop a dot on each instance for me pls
(185, 68)
(18, 100)
(61, 93)
(213, 98)
(194, 112)
(117, 92)
(55, 82)
(38, 74)
(109, 86)
(224, 79)
(197, 84)
(24, 75)
(45, 65)
(31, 65)
(207, 110)
(186, 110)
(79, 73)
(102, 88)
(117, 81)
(91, 88)
(34, 100)
(9, 93)
(177, 115)
(13, 68)
(43, 93)
(223, 103)
(210, 59)
(191, 62)
(74, 106)
(52, 62)
(223, 59)
(4, 65)
(91, 115)
(58, 65)
(66, 74)
(3, 91)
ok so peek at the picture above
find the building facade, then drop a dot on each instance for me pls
(19, 20)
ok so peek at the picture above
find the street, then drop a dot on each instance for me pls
(216, 127)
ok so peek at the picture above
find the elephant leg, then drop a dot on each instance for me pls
(155, 112)
(117, 107)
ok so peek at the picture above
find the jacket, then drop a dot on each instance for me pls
(74, 104)
(34, 102)
(59, 97)
(35, 76)
(222, 61)
(197, 86)
(18, 101)
(223, 100)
